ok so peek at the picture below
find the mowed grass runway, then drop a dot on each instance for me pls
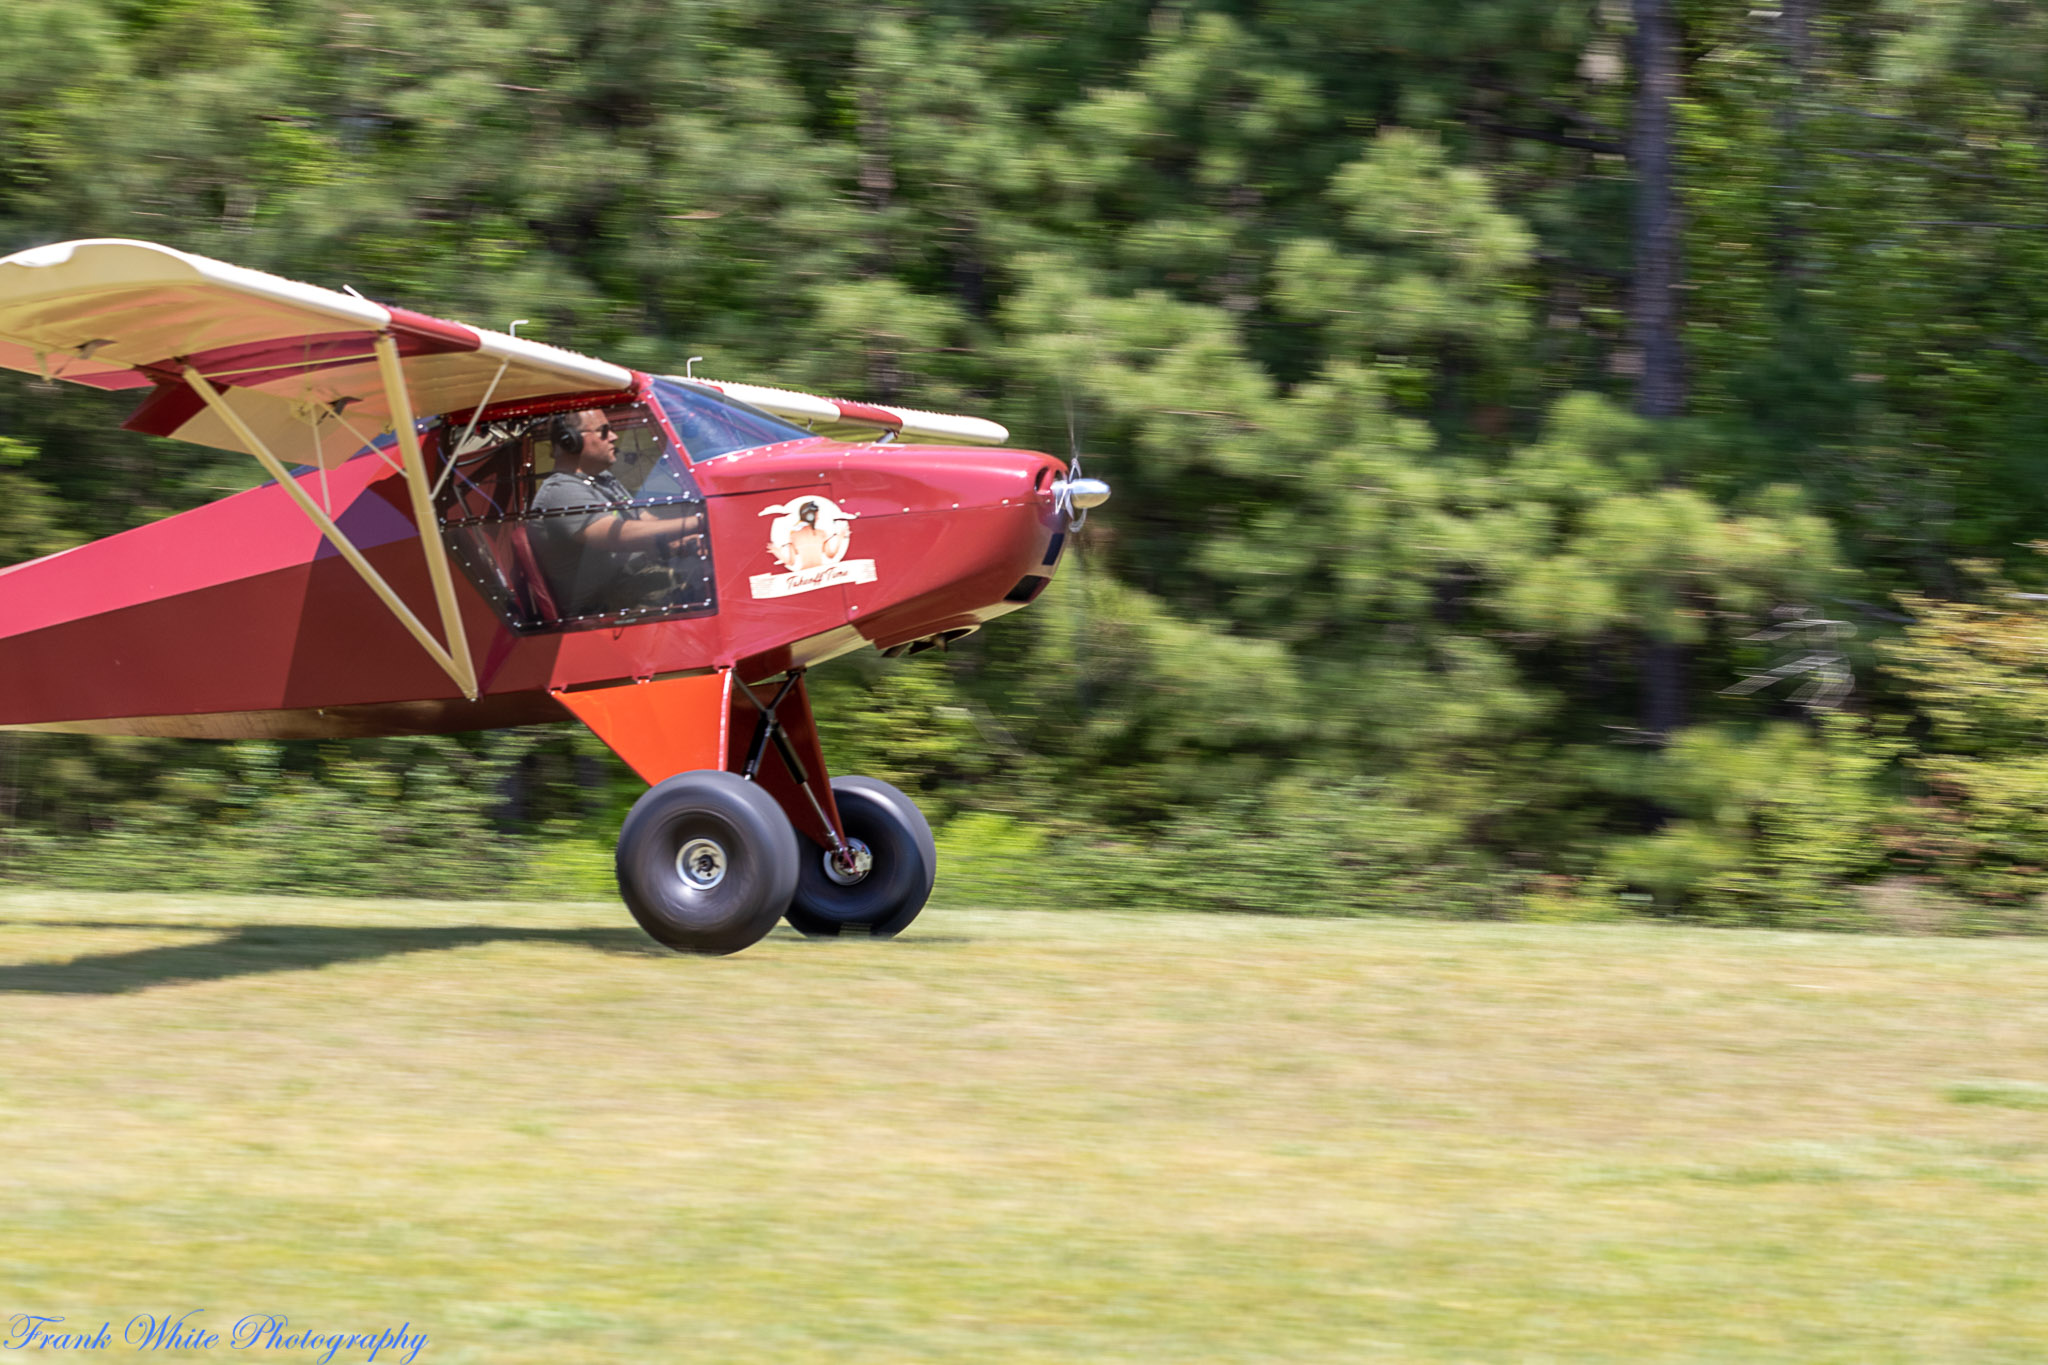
(1023, 1137)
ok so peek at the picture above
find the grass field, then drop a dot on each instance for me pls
(1006, 1136)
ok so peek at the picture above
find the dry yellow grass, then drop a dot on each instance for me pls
(1024, 1137)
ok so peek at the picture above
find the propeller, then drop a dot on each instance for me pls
(1074, 496)
(1067, 495)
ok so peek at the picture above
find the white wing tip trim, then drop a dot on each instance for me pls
(103, 264)
(42, 257)
(599, 374)
(952, 426)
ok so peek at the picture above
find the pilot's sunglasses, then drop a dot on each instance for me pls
(605, 430)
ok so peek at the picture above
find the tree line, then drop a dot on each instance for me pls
(1570, 458)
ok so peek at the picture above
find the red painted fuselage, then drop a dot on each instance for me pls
(238, 619)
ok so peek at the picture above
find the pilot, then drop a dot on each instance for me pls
(599, 552)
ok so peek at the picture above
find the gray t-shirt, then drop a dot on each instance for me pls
(568, 538)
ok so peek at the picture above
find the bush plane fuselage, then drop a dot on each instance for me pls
(658, 557)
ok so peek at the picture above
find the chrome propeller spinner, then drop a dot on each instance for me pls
(1075, 492)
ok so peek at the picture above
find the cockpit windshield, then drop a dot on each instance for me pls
(711, 424)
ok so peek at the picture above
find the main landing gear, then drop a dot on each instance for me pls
(709, 860)
(894, 863)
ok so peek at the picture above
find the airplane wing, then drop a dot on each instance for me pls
(283, 371)
(244, 361)
(294, 362)
(836, 417)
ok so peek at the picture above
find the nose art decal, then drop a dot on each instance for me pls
(809, 539)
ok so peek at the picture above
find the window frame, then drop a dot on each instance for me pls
(497, 570)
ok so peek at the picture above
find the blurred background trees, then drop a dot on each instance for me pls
(1501, 396)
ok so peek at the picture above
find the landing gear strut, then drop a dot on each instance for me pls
(769, 728)
(879, 863)
(899, 863)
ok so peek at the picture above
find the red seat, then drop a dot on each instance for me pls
(539, 603)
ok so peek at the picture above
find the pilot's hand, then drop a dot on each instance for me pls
(686, 538)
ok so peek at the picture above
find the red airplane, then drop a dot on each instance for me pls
(659, 557)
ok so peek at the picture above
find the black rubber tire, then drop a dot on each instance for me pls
(906, 863)
(761, 859)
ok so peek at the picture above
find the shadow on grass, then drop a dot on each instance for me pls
(255, 948)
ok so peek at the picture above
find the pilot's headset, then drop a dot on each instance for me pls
(565, 436)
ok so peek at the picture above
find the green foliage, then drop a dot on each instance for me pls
(1303, 845)
(1336, 296)
(904, 724)
(1772, 826)
(1978, 674)
(31, 517)
(986, 859)
(1435, 259)
(1593, 539)
(413, 818)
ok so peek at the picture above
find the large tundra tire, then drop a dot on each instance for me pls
(707, 862)
(902, 861)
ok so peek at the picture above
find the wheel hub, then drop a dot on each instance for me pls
(701, 863)
(859, 854)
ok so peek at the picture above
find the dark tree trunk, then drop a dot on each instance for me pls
(877, 193)
(1652, 151)
(515, 788)
(877, 175)
(970, 278)
(1663, 696)
(1237, 288)
(590, 783)
(1797, 18)
(1659, 266)
(1795, 35)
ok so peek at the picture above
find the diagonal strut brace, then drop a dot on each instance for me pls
(769, 729)
(454, 657)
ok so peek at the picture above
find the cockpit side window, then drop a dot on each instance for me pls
(711, 424)
(577, 520)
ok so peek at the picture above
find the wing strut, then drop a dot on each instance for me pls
(454, 656)
(464, 672)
